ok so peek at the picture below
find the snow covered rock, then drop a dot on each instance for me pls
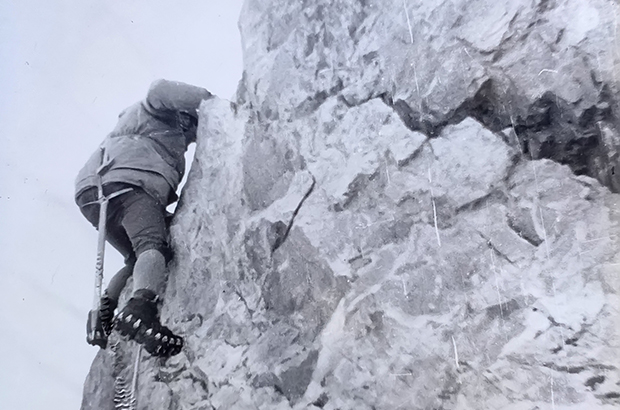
(408, 207)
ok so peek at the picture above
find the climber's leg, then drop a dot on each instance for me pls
(150, 272)
(119, 280)
(144, 223)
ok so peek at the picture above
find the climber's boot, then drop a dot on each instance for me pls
(139, 321)
(99, 325)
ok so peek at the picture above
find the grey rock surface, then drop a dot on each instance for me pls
(410, 206)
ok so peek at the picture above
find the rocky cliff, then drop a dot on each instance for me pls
(409, 206)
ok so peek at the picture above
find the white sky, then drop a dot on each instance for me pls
(67, 68)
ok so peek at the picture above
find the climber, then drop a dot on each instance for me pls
(144, 155)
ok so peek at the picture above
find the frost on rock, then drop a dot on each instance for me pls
(409, 206)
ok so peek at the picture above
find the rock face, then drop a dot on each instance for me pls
(409, 207)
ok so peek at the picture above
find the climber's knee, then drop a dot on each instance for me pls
(158, 246)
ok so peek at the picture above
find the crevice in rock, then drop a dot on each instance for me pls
(556, 349)
(503, 310)
(484, 106)
(406, 161)
(524, 228)
(551, 130)
(494, 249)
(570, 341)
(565, 369)
(581, 368)
(413, 120)
(312, 103)
(575, 338)
(498, 252)
(545, 5)
(321, 401)
(282, 237)
(359, 261)
(555, 323)
(355, 102)
(548, 128)
(278, 390)
(495, 196)
(592, 382)
(227, 342)
(355, 187)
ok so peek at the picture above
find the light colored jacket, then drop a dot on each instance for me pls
(148, 144)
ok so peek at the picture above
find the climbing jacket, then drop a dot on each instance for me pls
(148, 144)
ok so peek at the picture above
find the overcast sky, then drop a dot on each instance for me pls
(67, 68)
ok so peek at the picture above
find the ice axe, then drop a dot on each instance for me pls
(94, 329)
